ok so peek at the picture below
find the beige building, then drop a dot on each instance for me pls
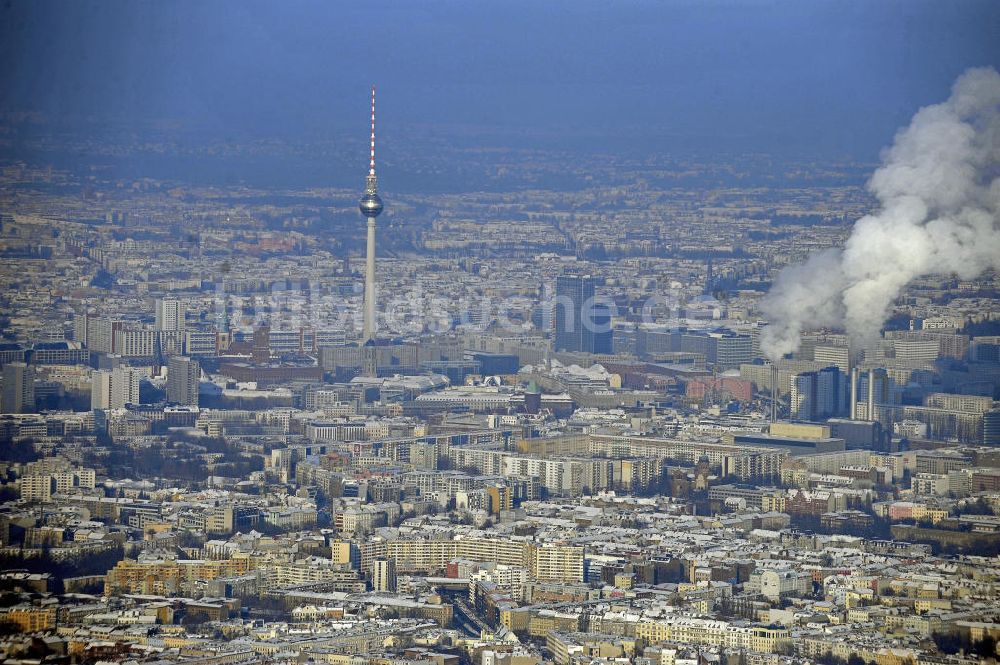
(551, 562)
(558, 563)
(692, 630)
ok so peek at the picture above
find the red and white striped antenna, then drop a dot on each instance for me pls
(371, 168)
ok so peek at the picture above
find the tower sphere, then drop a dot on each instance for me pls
(370, 204)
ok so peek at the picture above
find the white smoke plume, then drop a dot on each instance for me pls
(939, 195)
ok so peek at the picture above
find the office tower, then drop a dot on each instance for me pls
(817, 395)
(183, 374)
(574, 319)
(370, 206)
(113, 389)
(384, 575)
(18, 388)
(169, 314)
(601, 317)
(991, 428)
(803, 396)
(831, 392)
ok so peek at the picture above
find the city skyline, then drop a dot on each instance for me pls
(674, 341)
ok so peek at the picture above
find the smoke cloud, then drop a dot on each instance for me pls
(939, 214)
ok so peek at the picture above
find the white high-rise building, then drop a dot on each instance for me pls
(95, 332)
(135, 343)
(100, 390)
(839, 356)
(169, 314)
(113, 389)
(18, 388)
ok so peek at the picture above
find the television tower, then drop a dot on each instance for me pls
(370, 206)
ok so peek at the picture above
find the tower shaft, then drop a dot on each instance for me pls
(369, 322)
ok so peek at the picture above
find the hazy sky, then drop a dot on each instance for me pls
(811, 77)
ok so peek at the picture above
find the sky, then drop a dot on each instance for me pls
(815, 79)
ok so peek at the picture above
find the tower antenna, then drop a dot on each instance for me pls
(371, 168)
